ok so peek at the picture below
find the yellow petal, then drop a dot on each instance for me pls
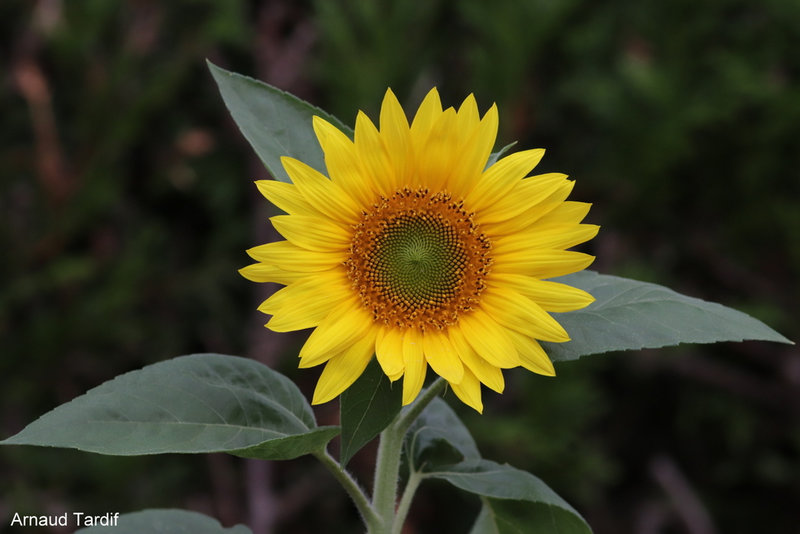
(374, 156)
(523, 197)
(469, 391)
(484, 371)
(532, 355)
(289, 257)
(519, 313)
(475, 151)
(534, 214)
(346, 323)
(304, 304)
(343, 163)
(467, 113)
(550, 236)
(394, 131)
(261, 272)
(285, 196)
(415, 365)
(303, 315)
(501, 177)
(342, 370)
(313, 233)
(437, 152)
(566, 212)
(321, 193)
(304, 288)
(441, 356)
(389, 351)
(427, 114)
(551, 296)
(542, 263)
(489, 339)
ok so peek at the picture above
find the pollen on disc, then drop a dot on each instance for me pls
(417, 260)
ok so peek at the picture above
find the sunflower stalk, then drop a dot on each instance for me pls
(387, 466)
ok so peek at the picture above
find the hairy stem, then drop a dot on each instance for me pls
(387, 465)
(414, 480)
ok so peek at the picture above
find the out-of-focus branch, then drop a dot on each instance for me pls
(35, 89)
(281, 56)
(686, 502)
(227, 490)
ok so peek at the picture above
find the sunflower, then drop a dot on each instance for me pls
(416, 251)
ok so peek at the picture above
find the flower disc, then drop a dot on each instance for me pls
(417, 260)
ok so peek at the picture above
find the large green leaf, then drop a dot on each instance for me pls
(629, 315)
(515, 501)
(438, 436)
(164, 522)
(367, 407)
(191, 404)
(499, 516)
(274, 122)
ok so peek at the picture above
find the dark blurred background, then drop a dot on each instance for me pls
(126, 204)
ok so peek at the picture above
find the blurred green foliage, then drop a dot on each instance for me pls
(126, 203)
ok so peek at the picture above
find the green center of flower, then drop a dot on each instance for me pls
(417, 260)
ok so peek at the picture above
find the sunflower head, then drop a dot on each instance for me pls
(413, 251)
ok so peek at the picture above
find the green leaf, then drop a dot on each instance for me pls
(191, 404)
(367, 407)
(494, 156)
(517, 500)
(438, 436)
(440, 446)
(164, 522)
(630, 315)
(274, 122)
(519, 517)
(291, 446)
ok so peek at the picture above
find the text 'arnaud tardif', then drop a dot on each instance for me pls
(77, 519)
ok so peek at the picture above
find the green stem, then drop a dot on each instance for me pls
(352, 488)
(410, 415)
(414, 480)
(387, 470)
(387, 464)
